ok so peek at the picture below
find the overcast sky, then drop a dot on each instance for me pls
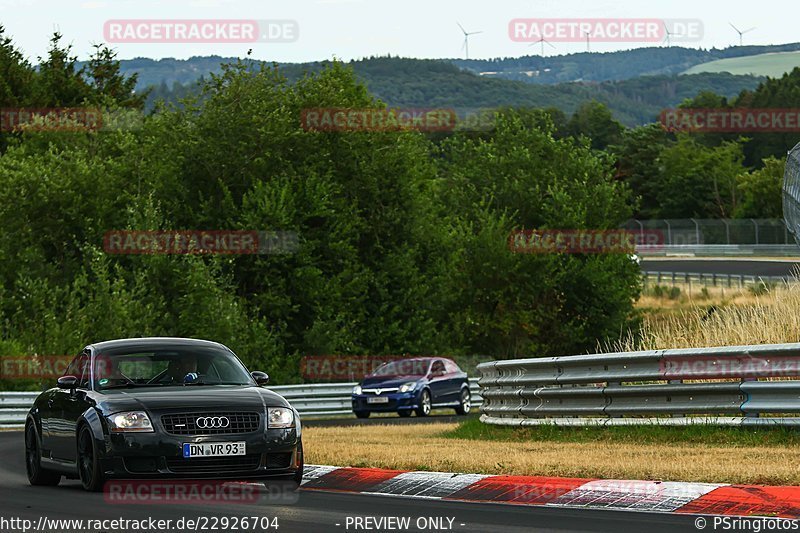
(349, 29)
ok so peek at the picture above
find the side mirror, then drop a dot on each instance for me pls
(261, 378)
(67, 382)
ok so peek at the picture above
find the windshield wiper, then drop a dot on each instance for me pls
(131, 385)
(213, 383)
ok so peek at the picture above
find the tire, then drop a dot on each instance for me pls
(37, 475)
(424, 408)
(88, 464)
(298, 476)
(405, 413)
(362, 414)
(466, 403)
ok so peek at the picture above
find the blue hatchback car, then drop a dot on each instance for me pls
(413, 385)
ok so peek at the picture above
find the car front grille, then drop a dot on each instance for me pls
(187, 424)
(208, 465)
(379, 391)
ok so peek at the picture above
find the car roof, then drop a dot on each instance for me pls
(151, 342)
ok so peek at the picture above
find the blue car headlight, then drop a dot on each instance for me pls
(408, 387)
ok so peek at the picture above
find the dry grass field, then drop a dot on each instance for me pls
(434, 447)
(741, 317)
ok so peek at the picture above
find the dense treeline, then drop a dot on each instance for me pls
(402, 237)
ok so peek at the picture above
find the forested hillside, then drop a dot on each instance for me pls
(428, 83)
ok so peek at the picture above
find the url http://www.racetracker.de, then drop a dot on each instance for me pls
(45, 524)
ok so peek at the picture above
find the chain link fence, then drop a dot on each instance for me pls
(697, 231)
(791, 192)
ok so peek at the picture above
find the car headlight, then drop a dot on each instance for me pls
(130, 421)
(357, 389)
(408, 387)
(280, 417)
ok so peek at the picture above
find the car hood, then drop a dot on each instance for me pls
(217, 397)
(385, 382)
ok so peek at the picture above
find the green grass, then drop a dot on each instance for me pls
(773, 65)
(474, 429)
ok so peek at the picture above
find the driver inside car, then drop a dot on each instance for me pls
(182, 370)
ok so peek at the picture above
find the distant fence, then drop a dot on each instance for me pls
(670, 387)
(314, 400)
(722, 250)
(725, 231)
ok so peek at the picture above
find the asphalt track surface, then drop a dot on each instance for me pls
(313, 511)
(721, 266)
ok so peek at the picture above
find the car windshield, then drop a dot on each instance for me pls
(171, 366)
(409, 367)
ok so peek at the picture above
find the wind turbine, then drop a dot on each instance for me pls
(542, 41)
(465, 46)
(669, 34)
(740, 32)
(587, 41)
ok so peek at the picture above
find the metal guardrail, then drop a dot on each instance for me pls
(316, 400)
(720, 250)
(671, 387)
(709, 279)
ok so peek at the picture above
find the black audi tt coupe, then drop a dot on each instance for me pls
(161, 408)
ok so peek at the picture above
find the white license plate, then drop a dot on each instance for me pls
(378, 399)
(213, 449)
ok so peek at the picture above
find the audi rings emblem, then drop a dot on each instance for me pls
(213, 422)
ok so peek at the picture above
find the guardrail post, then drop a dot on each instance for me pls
(612, 384)
(676, 382)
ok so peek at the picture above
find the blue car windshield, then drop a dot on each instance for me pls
(409, 367)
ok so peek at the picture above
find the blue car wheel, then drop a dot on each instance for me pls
(424, 408)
